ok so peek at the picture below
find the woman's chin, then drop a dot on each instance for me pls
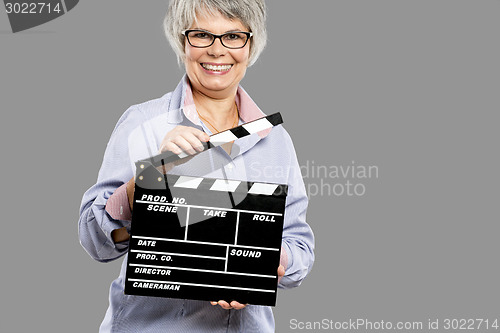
(216, 85)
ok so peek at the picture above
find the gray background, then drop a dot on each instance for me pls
(409, 86)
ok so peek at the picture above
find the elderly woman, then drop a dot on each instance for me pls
(216, 41)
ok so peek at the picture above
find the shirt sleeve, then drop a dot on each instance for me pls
(96, 223)
(298, 238)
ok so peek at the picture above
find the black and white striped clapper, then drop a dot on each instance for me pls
(204, 238)
(221, 138)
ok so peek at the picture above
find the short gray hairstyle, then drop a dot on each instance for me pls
(182, 13)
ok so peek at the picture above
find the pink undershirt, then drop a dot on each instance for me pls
(247, 108)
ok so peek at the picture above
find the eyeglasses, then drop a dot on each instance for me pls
(231, 40)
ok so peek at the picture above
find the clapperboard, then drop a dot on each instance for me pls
(204, 238)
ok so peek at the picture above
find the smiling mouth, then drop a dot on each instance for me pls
(216, 68)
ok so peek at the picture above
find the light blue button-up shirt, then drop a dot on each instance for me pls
(138, 135)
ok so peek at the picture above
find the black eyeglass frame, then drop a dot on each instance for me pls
(214, 36)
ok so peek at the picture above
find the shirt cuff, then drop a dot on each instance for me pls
(117, 205)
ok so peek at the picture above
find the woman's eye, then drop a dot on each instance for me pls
(232, 36)
(201, 35)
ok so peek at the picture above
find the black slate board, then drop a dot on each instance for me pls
(204, 239)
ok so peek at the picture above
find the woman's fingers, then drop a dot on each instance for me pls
(281, 271)
(185, 145)
(170, 146)
(194, 141)
(227, 306)
(202, 136)
(224, 305)
(184, 138)
(237, 305)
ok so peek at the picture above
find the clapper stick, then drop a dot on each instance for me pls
(221, 138)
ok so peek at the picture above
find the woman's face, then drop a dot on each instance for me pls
(210, 82)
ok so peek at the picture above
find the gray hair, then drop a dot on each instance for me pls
(182, 13)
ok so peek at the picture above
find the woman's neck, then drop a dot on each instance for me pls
(221, 113)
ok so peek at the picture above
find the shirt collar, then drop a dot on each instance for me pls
(175, 114)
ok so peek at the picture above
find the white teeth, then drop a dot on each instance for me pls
(219, 68)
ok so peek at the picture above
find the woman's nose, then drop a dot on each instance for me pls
(217, 49)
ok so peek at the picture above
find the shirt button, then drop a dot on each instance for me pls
(230, 166)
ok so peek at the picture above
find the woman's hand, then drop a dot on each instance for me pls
(181, 138)
(238, 306)
(233, 305)
(281, 272)
(184, 138)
